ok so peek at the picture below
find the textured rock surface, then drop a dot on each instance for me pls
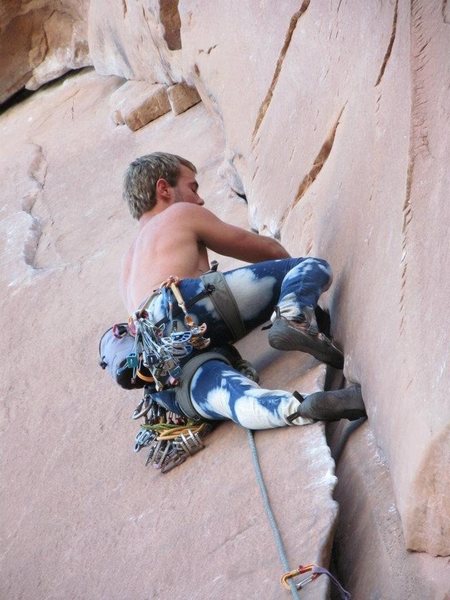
(341, 153)
(82, 517)
(39, 42)
(137, 103)
(136, 40)
(181, 97)
(369, 550)
(331, 120)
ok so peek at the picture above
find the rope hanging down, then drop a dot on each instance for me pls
(266, 502)
(287, 579)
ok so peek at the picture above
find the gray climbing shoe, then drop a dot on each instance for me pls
(346, 403)
(303, 335)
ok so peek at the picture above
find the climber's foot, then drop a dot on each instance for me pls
(333, 405)
(303, 335)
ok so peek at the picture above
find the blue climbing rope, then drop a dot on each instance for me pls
(266, 502)
(287, 578)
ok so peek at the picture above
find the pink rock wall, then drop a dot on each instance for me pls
(40, 41)
(80, 515)
(332, 119)
(136, 40)
(335, 117)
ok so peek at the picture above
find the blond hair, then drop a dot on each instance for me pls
(139, 185)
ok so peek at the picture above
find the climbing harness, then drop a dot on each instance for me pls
(141, 354)
(224, 302)
(218, 290)
(171, 437)
(182, 392)
(287, 579)
(156, 357)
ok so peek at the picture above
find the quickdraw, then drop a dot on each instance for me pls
(169, 437)
(314, 571)
(156, 358)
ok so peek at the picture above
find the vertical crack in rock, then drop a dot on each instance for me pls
(319, 162)
(287, 40)
(44, 51)
(229, 173)
(124, 8)
(45, 34)
(317, 166)
(445, 18)
(418, 138)
(407, 216)
(390, 45)
(171, 20)
(37, 172)
(165, 64)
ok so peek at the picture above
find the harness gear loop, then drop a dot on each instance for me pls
(146, 378)
(160, 354)
(181, 303)
(198, 340)
(172, 283)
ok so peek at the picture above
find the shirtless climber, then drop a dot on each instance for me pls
(175, 233)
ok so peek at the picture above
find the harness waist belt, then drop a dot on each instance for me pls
(177, 309)
(224, 302)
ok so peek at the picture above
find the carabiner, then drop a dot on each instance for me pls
(299, 584)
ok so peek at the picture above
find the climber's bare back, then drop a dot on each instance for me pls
(164, 246)
(173, 239)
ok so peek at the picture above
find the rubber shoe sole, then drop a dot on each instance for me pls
(333, 405)
(284, 336)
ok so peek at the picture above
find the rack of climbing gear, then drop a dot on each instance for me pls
(156, 353)
(156, 357)
(170, 438)
(313, 572)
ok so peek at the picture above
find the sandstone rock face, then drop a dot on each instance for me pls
(181, 97)
(77, 496)
(137, 103)
(371, 557)
(39, 42)
(136, 40)
(340, 151)
(330, 120)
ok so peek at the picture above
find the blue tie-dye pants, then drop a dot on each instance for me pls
(217, 390)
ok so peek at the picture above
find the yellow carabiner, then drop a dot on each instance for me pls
(301, 569)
